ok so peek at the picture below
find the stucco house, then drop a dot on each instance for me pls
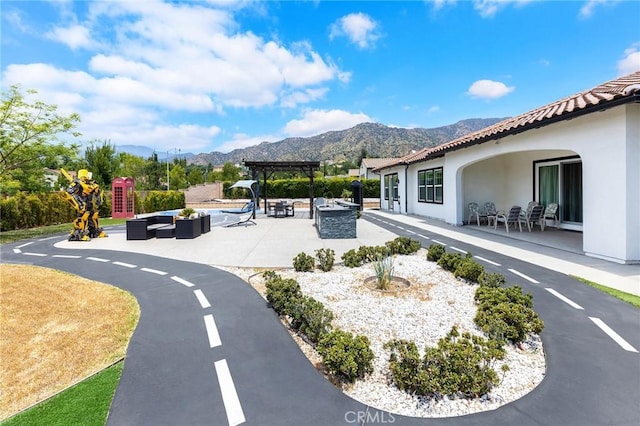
(367, 165)
(582, 152)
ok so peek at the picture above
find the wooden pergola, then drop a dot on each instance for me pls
(267, 168)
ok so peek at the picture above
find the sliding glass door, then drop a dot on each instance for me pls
(560, 182)
(391, 189)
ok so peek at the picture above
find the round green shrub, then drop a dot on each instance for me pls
(469, 270)
(283, 294)
(311, 318)
(303, 262)
(346, 356)
(488, 279)
(325, 258)
(435, 252)
(351, 259)
(403, 245)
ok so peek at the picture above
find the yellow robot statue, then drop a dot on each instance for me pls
(85, 197)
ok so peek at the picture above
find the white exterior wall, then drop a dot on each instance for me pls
(608, 143)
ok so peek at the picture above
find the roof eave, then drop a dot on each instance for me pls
(635, 98)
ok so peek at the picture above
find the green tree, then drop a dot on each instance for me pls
(29, 141)
(155, 173)
(230, 172)
(195, 176)
(130, 165)
(178, 177)
(101, 162)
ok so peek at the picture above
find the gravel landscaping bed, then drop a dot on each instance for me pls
(424, 313)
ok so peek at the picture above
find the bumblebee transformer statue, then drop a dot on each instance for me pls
(86, 197)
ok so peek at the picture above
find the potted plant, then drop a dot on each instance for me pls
(187, 213)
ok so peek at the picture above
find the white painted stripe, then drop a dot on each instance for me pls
(564, 299)
(126, 265)
(457, 249)
(17, 250)
(491, 262)
(615, 336)
(35, 254)
(153, 271)
(528, 278)
(181, 281)
(411, 232)
(400, 227)
(202, 299)
(98, 259)
(439, 242)
(235, 415)
(24, 245)
(424, 236)
(212, 331)
(67, 256)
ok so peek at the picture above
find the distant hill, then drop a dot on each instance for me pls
(376, 139)
(146, 152)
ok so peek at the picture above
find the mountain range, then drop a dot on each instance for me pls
(366, 139)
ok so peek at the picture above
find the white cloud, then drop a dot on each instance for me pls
(489, 8)
(489, 89)
(75, 36)
(588, 9)
(315, 122)
(439, 4)
(433, 109)
(359, 28)
(292, 100)
(631, 61)
(153, 59)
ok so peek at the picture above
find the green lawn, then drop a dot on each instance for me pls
(43, 231)
(85, 404)
(627, 297)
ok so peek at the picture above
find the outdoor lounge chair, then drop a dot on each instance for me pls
(512, 217)
(474, 211)
(247, 208)
(533, 217)
(244, 219)
(550, 212)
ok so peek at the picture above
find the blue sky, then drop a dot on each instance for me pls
(216, 75)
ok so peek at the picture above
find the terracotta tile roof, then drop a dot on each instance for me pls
(621, 90)
(376, 162)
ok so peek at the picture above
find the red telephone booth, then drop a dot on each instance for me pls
(122, 198)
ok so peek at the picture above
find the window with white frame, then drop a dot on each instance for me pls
(430, 186)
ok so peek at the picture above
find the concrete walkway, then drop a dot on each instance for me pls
(274, 242)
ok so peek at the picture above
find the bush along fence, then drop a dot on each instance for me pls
(461, 365)
(23, 210)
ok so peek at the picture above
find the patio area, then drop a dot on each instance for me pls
(551, 237)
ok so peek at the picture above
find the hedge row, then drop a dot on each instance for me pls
(23, 211)
(327, 188)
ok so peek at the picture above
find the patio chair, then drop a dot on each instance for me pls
(550, 212)
(512, 217)
(320, 201)
(533, 217)
(490, 208)
(490, 211)
(527, 211)
(474, 211)
(280, 209)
